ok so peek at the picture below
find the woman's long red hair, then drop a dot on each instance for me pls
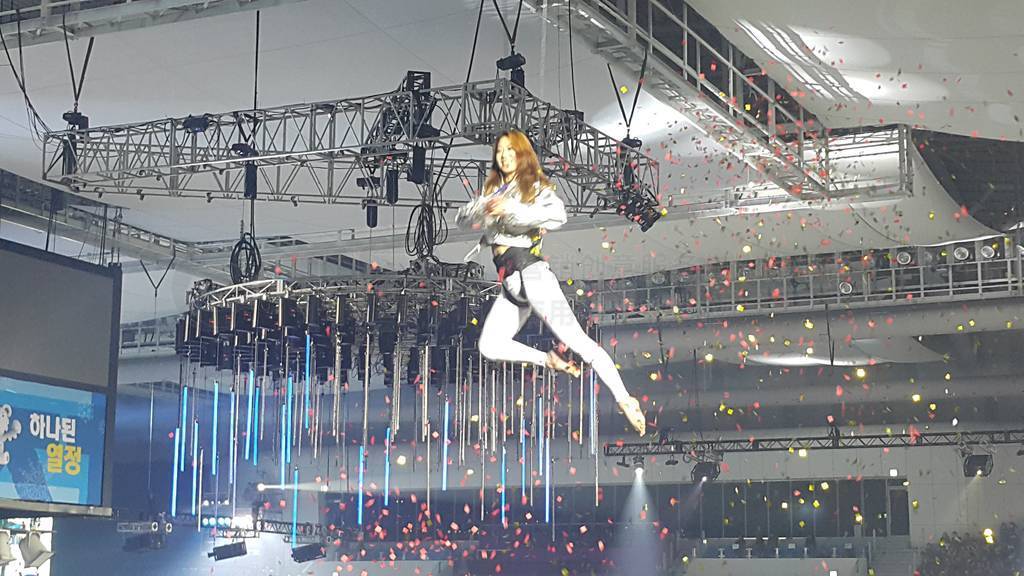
(528, 171)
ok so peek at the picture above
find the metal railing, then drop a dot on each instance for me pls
(875, 279)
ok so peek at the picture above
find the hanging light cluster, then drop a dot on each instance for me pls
(287, 354)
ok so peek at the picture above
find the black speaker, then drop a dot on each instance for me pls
(371, 213)
(418, 170)
(249, 192)
(391, 186)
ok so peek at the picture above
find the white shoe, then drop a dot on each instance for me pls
(556, 362)
(631, 409)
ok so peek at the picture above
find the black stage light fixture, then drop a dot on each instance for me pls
(76, 120)
(196, 124)
(391, 186)
(418, 169)
(233, 550)
(371, 212)
(513, 63)
(146, 541)
(671, 461)
(705, 472)
(623, 462)
(249, 192)
(638, 208)
(371, 182)
(309, 552)
(977, 465)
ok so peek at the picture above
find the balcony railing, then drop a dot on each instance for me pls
(968, 271)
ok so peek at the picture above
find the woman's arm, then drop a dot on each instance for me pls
(547, 211)
(472, 214)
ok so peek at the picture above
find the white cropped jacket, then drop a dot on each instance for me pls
(519, 222)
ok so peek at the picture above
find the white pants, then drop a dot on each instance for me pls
(539, 289)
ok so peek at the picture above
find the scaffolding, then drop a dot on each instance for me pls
(346, 151)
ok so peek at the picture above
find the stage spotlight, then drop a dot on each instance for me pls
(903, 258)
(988, 252)
(233, 550)
(961, 253)
(623, 462)
(639, 209)
(309, 552)
(6, 555)
(977, 465)
(639, 472)
(638, 462)
(705, 472)
(671, 461)
(513, 63)
(845, 288)
(33, 552)
(140, 542)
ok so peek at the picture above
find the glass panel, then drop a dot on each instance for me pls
(757, 509)
(826, 516)
(849, 506)
(874, 508)
(711, 510)
(779, 511)
(734, 521)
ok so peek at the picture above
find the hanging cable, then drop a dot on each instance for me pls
(572, 63)
(427, 226)
(246, 261)
(35, 120)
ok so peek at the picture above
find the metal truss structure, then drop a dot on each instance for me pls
(45, 20)
(416, 284)
(899, 276)
(699, 448)
(724, 93)
(338, 152)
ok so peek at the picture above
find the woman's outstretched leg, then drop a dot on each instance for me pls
(548, 301)
(497, 337)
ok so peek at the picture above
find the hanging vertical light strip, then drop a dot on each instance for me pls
(249, 413)
(231, 440)
(359, 506)
(255, 425)
(288, 429)
(309, 341)
(540, 434)
(503, 488)
(284, 440)
(213, 437)
(547, 481)
(184, 411)
(387, 466)
(522, 444)
(195, 461)
(174, 474)
(444, 450)
(295, 504)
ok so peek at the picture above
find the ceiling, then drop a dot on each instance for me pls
(941, 65)
(329, 49)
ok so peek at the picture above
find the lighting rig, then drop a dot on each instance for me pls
(707, 455)
(355, 151)
(286, 354)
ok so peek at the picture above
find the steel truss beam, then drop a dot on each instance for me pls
(356, 285)
(704, 447)
(318, 152)
(44, 20)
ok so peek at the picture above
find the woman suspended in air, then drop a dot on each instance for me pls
(517, 206)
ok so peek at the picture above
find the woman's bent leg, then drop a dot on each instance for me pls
(497, 337)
